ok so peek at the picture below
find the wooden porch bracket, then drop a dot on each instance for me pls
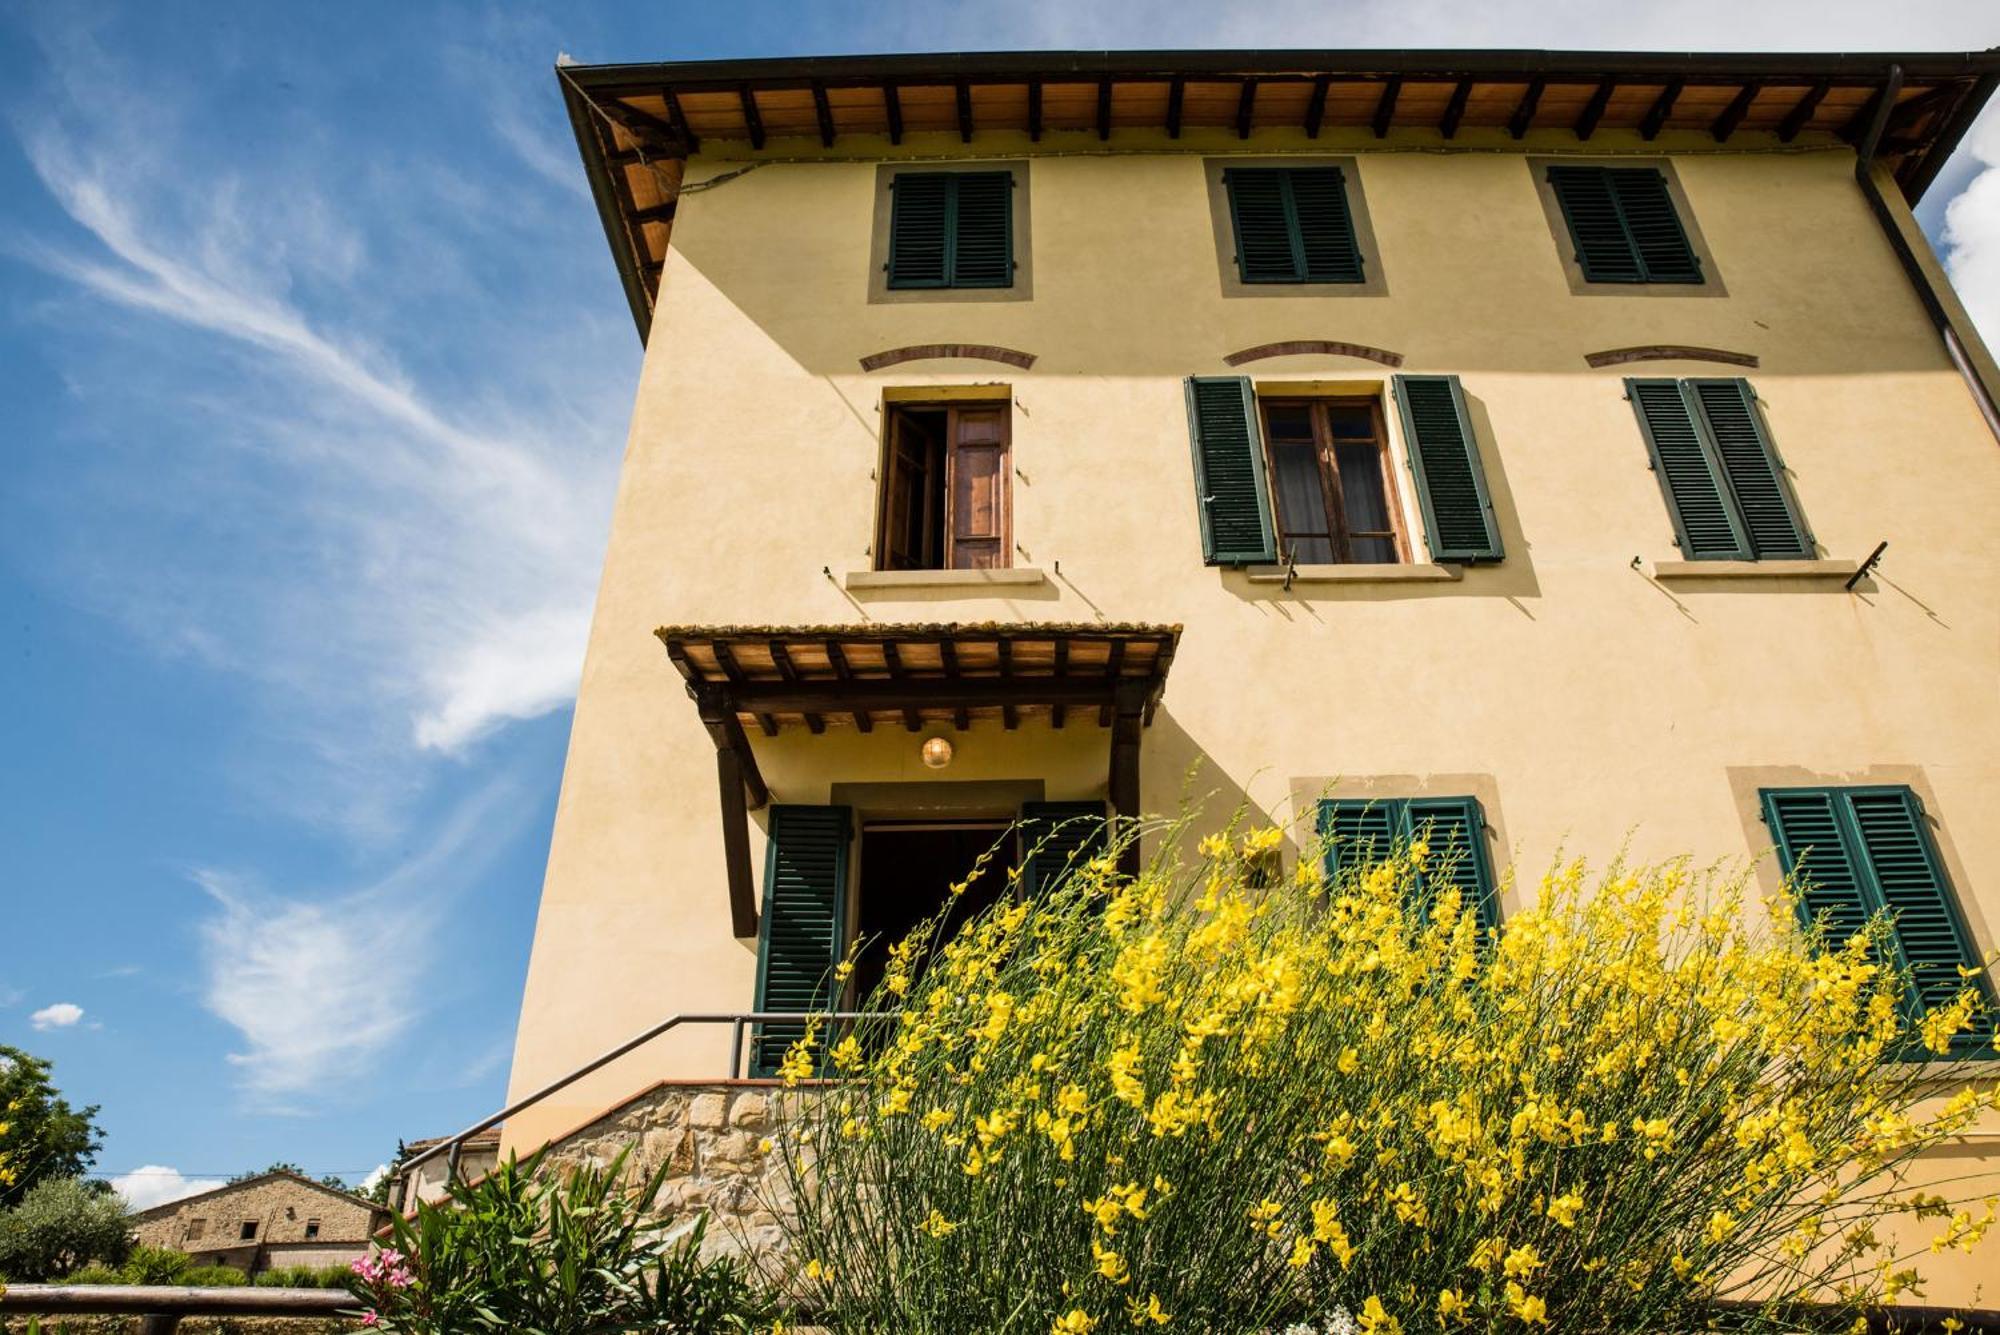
(1128, 720)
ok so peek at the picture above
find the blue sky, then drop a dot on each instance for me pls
(315, 374)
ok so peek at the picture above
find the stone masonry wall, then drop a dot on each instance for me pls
(708, 1135)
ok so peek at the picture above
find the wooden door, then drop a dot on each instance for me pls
(980, 535)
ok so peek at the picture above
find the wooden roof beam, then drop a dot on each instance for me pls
(1454, 110)
(1524, 111)
(1864, 116)
(1663, 106)
(753, 120)
(1176, 93)
(1593, 110)
(1246, 105)
(892, 110)
(1034, 111)
(1802, 111)
(1733, 114)
(964, 111)
(1316, 106)
(680, 121)
(823, 110)
(1385, 105)
(1103, 109)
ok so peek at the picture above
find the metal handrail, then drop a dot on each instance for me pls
(452, 1146)
(161, 1307)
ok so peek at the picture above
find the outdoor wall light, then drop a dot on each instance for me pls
(936, 752)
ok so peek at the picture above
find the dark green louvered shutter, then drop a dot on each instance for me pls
(951, 229)
(1292, 225)
(1444, 458)
(1624, 226)
(1056, 838)
(1859, 851)
(1691, 477)
(805, 895)
(1765, 510)
(1355, 832)
(1456, 830)
(1724, 484)
(1229, 485)
(1806, 826)
(1909, 877)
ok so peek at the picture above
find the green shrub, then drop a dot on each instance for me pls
(155, 1265)
(518, 1252)
(305, 1277)
(95, 1273)
(215, 1277)
(61, 1224)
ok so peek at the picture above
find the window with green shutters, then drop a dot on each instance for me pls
(1860, 851)
(1231, 490)
(951, 229)
(1056, 838)
(801, 936)
(1624, 226)
(1724, 483)
(1355, 832)
(1444, 460)
(1292, 225)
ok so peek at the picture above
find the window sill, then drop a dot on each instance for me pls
(1694, 570)
(1359, 573)
(965, 581)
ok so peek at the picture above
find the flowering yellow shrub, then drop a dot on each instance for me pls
(1195, 1100)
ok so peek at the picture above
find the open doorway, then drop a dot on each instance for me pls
(907, 870)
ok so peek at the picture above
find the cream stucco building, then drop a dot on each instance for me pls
(1507, 437)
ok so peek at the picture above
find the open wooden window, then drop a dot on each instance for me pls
(1329, 479)
(946, 498)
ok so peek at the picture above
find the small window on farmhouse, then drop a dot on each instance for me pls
(951, 229)
(1292, 225)
(946, 493)
(1329, 473)
(1624, 225)
(249, 1231)
(196, 1228)
(312, 1229)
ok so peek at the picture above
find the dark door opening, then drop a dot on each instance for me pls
(907, 871)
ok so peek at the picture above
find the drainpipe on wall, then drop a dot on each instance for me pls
(1944, 317)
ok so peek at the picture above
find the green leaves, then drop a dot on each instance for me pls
(549, 1253)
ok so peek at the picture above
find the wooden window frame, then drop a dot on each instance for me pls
(948, 536)
(1332, 494)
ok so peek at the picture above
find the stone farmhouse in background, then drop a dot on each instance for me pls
(265, 1222)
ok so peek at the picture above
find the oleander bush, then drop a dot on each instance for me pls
(578, 1252)
(1198, 1100)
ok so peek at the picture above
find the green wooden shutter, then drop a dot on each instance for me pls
(1357, 831)
(1860, 851)
(1229, 484)
(1768, 513)
(801, 936)
(1807, 828)
(1056, 838)
(920, 225)
(1909, 877)
(951, 229)
(1624, 225)
(1444, 458)
(1292, 225)
(1654, 225)
(1692, 479)
(983, 230)
(1456, 830)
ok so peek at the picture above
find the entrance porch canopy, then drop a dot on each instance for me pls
(770, 678)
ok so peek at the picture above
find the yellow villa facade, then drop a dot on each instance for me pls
(1508, 439)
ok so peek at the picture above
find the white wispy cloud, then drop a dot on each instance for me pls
(1972, 229)
(155, 1184)
(319, 987)
(61, 1015)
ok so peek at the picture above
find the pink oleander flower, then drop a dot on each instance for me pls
(370, 1318)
